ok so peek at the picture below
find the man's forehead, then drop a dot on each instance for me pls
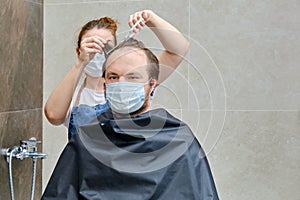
(127, 53)
(126, 59)
(127, 70)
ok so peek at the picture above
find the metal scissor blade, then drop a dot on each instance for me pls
(131, 32)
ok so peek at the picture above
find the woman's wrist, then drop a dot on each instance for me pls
(79, 65)
(150, 21)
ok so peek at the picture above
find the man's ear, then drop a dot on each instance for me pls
(153, 82)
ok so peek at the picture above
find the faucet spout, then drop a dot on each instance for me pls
(35, 155)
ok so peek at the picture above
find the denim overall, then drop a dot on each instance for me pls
(82, 115)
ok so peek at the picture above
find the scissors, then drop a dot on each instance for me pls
(107, 48)
(131, 32)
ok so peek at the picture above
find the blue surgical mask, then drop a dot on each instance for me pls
(94, 67)
(125, 97)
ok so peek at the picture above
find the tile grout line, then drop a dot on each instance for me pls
(18, 111)
(89, 2)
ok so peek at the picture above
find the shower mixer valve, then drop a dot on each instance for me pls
(29, 145)
(27, 149)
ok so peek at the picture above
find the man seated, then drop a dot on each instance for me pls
(131, 152)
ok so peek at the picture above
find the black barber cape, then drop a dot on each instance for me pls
(151, 156)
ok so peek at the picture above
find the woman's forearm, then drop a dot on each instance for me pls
(58, 103)
(169, 36)
(175, 44)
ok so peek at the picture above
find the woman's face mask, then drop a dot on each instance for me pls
(94, 67)
(125, 97)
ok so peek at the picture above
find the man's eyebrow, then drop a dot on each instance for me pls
(134, 73)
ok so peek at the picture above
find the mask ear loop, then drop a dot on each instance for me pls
(152, 92)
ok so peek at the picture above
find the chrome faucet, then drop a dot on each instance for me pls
(27, 149)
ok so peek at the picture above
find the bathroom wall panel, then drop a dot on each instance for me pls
(255, 46)
(21, 55)
(257, 156)
(16, 126)
(21, 68)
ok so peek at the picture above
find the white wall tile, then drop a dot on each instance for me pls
(257, 156)
(256, 45)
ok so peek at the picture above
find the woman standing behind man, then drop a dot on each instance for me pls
(76, 107)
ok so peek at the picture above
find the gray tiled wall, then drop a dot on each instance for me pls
(21, 74)
(238, 89)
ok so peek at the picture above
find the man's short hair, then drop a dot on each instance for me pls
(133, 44)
